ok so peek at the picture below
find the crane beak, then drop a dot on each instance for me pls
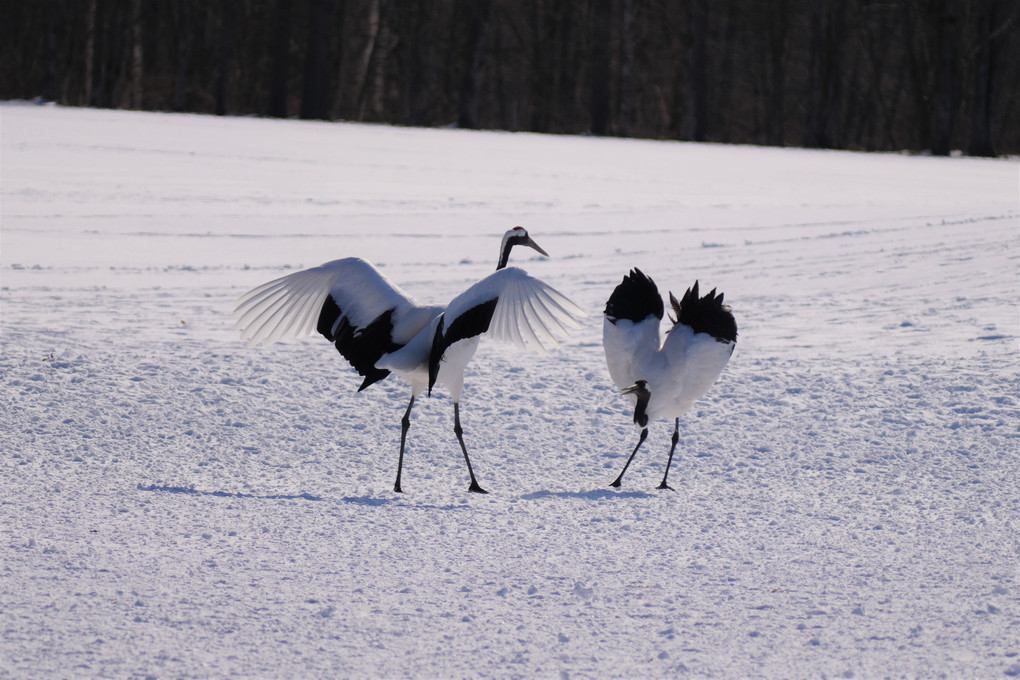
(530, 243)
(639, 387)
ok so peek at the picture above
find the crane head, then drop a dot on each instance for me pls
(518, 236)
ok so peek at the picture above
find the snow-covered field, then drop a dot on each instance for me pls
(175, 504)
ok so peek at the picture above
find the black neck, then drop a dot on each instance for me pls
(640, 417)
(504, 256)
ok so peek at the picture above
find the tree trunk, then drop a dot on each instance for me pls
(987, 54)
(478, 24)
(696, 124)
(828, 24)
(565, 96)
(383, 47)
(90, 53)
(183, 56)
(315, 99)
(778, 18)
(338, 102)
(871, 118)
(725, 81)
(506, 98)
(367, 57)
(600, 36)
(225, 55)
(137, 58)
(540, 68)
(115, 31)
(52, 23)
(277, 106)
(412, 29)
(627, 70)
(945, 80)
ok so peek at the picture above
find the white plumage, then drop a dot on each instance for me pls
(380, 329)
(289, 307)
(664, 381)
(529, 314)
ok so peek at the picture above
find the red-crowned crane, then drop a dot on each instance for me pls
(664, 382)
(379, 329)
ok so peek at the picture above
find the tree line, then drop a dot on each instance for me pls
(922, 75)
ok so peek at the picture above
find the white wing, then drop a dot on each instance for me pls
(630, 349)
(694, 363)
(289, 307)
(528, 313)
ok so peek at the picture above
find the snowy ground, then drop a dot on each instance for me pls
(175, 504)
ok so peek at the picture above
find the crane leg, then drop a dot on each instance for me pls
(640, 441)
(459, 431)
(676, 438)
(405, 425)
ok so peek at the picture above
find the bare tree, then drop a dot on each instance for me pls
(777, 22)
(279, 77)
(627, 69)
(601, 21)
(90, 53)
(413, 27)
(987, 57)
(894, 74)
(368, 56)
(696, 124)
(828, 31)
(315, 99)
(944, 101)
(53, 20)
(183, 54)
(541, 66)
(477, 12)
(137, 55)
(225, 56)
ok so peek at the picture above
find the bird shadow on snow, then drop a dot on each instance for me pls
(592, 495)
(353, 500)
(375, 501)
(227, 494)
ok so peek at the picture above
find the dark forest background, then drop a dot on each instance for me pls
(922, 75)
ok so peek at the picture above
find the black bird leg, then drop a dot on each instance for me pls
(676, 438)
(641, 440)
(459, 431)
(405, 425)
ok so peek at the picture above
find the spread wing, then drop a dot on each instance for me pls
(291, 306)
(514, 308)
(511, 307)
(350, 302)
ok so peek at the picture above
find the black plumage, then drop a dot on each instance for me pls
(362, 347)
(705, 314)
(635, 299)
(474, 321)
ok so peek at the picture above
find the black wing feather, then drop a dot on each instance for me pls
(635, 299)
(362, 347)
(705, 314)
(474, 321)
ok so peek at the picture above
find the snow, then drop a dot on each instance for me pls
(174, 503)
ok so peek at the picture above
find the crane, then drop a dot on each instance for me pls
(664, 381)
(379, 329)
